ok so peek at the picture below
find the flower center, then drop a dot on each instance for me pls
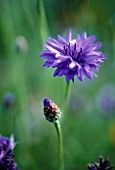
(71, 50)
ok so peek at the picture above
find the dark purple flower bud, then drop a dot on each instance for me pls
(51, 111)
(9, 99)
(102, 165)
(6, 153)
(73, 57)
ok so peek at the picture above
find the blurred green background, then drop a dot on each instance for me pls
(88, 124)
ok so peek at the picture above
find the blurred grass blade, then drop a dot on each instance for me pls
(43, 27)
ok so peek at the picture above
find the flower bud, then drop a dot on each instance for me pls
(51, 111)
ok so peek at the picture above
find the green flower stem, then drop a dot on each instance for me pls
(67, 92)
(59, 133)
(67, 95)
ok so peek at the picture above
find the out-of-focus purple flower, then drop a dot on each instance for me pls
(106, 99)
(73, 57)
(102, 165)
(6, 153)
(9, 99)
(51, 111)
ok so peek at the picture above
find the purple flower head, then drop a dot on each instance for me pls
(102, 165)
(73, 57)
(51, 111)
(6, 153)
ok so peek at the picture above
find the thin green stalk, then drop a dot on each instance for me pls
(67, 92)
(59, 133)
(67, 95)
